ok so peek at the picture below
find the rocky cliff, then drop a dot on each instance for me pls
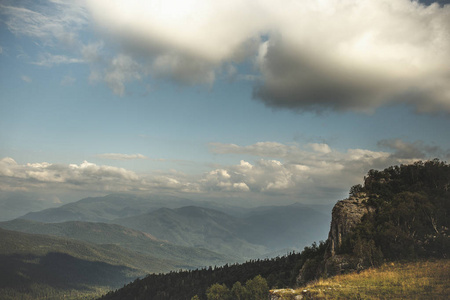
(345, 216)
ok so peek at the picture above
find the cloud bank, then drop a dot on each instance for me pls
(308, 55)
(312, 172)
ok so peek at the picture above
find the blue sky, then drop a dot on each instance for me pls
(249, 101)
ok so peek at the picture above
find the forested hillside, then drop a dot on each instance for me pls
(279, 272)
(43, 267)
(412, 213)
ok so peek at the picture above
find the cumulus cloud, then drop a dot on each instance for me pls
(312, 172)
(322, 148)
(120, 156)
(315, 171)
(87, 177)
(312, 55)
(358, 55)
(73, 176)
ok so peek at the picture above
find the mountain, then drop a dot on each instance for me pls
(33, 265)
(113, 206)
(256, 233)
(103, 209)
(240, 233)
(196, 227)
(102, 233)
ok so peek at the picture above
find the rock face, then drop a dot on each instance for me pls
(345, 216)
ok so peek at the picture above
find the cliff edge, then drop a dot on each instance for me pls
(345, 216)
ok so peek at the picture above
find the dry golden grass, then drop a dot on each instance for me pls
(412, 280)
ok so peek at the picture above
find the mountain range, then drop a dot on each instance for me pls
(236, 232)
(126, 236)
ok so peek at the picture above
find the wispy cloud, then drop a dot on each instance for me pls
(52, 24)
(26, 79)
(120, 156)
(49, 60)
(68, 80)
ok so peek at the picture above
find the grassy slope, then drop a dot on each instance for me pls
(409, 280)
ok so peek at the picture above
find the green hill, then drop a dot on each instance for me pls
(33, 264)
(251, 235)
(103, 233)
(197, 227)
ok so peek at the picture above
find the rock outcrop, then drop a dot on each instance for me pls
(345, 216)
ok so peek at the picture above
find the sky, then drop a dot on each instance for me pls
(253, 101)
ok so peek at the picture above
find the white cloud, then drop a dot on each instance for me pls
(26, 79)
(310, 173)
(83, 176)
(358, 55)
(314, 171)
(52, 24)
(49, 60)
(322, 148)
(338, 54)
(121, 69)
(68, 80)
(120, 156)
